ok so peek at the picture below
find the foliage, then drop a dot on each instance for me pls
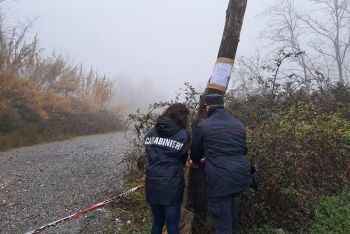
(132, 211)
(300, 142)
(262, 229)
(135, 210)
(143, 122)
(30, 115)
(47, 98)
(298, 139)
(301, 155)
(332, 215)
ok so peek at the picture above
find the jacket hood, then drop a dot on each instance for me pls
(167, 127)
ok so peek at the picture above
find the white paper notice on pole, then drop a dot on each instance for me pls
(221, 74)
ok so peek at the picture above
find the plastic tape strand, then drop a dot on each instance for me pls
(81, 212)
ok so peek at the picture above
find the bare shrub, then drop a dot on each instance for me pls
(46, 97)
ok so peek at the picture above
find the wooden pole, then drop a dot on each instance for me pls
(217, 84)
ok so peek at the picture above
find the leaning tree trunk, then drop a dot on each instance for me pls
(217, 84)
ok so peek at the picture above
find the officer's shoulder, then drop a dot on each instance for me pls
(182, 134)
(150, 133)
(203, 126)
(200, 126)
(204, 122)
(237, 121)
(183, 131)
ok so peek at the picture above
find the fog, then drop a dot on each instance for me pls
(150, 48)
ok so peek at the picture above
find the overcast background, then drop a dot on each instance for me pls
(154, 45)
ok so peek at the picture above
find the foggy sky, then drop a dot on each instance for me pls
(141, 43)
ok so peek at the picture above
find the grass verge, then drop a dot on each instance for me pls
(130, 214)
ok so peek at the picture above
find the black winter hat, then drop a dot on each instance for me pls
(214, 99)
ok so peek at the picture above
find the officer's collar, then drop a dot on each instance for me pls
(215, 109)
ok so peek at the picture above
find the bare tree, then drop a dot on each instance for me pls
(347, 73)
(330, 24)
(247, 71)
(323, 32)
(284, 31)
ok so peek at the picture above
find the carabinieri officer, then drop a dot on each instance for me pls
(167, 145)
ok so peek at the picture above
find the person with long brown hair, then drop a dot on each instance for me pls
(167, 145)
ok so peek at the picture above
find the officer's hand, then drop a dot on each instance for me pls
(190, 163)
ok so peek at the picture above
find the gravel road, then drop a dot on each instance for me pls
(42, 183)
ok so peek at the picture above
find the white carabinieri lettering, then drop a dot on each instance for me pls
(164, 142)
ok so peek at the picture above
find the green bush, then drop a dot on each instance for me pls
(302, 153)
(332, 215)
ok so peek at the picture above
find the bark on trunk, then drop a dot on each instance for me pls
(197, 199)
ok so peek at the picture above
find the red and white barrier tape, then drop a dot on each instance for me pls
(81, 212)
(98, 205)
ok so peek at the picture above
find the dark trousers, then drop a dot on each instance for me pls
(224, 212)
(166, 214)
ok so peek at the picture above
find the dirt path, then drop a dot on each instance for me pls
(42, 183)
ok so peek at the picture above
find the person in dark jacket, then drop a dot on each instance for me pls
(167, 147)
(221, 140)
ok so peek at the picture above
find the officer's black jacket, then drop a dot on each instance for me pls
(167, 147)
(221, 139)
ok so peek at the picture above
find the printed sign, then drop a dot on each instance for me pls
(221, 74)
